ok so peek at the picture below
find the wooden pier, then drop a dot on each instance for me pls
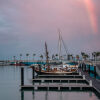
(95, 81)
(58, 87)
(70, 82)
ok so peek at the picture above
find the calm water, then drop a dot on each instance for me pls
(10, 88)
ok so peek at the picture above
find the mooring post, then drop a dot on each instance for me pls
(80, 73)
(84, 77)
(95, 71)
(81, 65)
(39, 69)
(84, 67)
(22, 94)
(90, 82)
(89, 69)
(33, 72)
(22, 76)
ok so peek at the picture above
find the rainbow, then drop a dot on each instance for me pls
(92, 16)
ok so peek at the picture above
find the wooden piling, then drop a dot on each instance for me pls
(89, 69)
(90, 82)
(33, 72)
(22, 76)
(95, 71)
(84, 67)
(39, 69)
(22, 94)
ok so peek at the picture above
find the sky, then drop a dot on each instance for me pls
(25, 25)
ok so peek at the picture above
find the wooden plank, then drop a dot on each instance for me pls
(58, 79)
(58, 85)
(59, 76)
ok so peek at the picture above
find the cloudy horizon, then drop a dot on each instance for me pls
(25, 25)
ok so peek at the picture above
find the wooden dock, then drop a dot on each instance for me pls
(95, 82)
(60, 80)
(59, 76)
(70, 82)
(58, 87)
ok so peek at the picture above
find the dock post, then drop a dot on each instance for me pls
(84, 77)
(22, 94)
(90, 82)
(80, 65)
(33, 72)
(39, 69)
(84, 67)
(95, 71)
(69, 88)
(22, 76)
(89, 69)
(59, 88)
(80, 73)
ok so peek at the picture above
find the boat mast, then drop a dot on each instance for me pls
(59, 45)
(47, 53)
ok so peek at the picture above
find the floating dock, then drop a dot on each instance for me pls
(70, 82)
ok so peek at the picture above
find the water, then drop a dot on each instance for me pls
(10, 88)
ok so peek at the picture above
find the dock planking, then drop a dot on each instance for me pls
(67, 82)
(57, 86)
(95, 82)
(59, 76)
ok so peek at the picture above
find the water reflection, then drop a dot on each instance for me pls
(10, 88)
(57, 95)
(22, 95)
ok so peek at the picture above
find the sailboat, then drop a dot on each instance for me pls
(57, 69)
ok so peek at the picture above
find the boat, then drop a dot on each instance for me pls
(17, 63)
(48, 68)
(57, 69)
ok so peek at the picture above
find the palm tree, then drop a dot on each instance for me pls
(34, 55)
(70, 56)
(14, 57)
(95, 55)
(27, 56)
(53, 56)
(84, 55)
(41, 56)
(56, 56)
(77, 57)
(20, 57)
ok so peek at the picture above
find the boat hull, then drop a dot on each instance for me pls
(54, 73)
